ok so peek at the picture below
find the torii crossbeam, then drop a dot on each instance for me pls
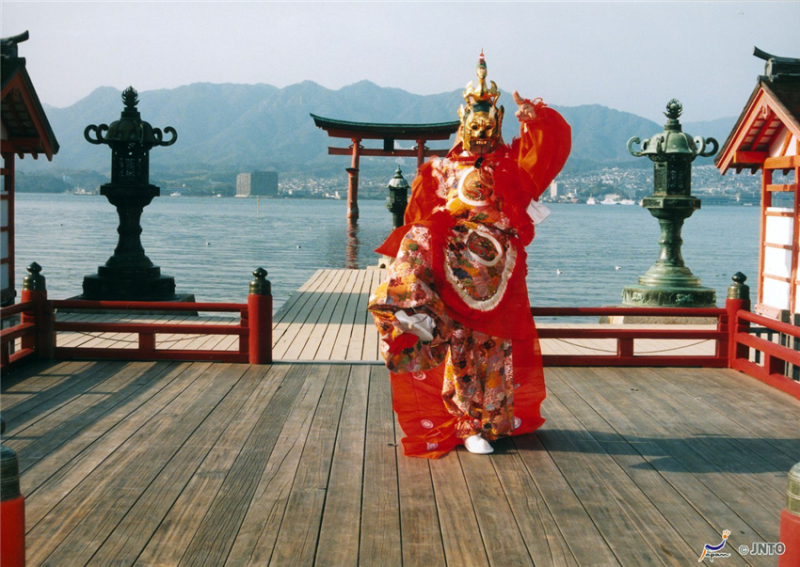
(358, 131)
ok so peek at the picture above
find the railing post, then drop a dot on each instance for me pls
(147, 343)
(624, 348)
(244, 340)
(34, 289)
(790, 522)
(738, 299)
(12, 509)
(259, 307)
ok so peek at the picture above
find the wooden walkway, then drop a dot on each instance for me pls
(297, 464)
(327, 320)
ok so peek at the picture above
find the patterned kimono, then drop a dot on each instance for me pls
(460, 258)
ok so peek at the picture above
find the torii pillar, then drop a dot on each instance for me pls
(352, 182)
(420, 153)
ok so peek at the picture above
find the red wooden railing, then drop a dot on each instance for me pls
(625, 351)
(734, 339)
(147, 332)
(24, 330)
(39, 326)
(776, 357)
(733, 336)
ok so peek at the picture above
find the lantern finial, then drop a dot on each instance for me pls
(130, 97)
(674, 109)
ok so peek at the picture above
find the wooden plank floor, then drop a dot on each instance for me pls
(297, 464)
(326, 320)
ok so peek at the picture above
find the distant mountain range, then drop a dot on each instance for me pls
(249, 127)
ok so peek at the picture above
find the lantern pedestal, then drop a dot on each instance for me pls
(129, 274)
(669, 282)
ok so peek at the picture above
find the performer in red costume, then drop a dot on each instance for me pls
(454, 316)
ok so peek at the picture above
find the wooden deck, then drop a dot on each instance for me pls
(327, 320)
(297, 464)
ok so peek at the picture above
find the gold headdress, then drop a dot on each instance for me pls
(482, 93)
(481, 119)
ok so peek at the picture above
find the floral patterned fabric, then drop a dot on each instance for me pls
(478, 386)
(461, 260)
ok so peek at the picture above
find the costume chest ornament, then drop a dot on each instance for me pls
(478, 264)
(473, 188)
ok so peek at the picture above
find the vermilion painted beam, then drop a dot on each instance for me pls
(135, 354)
(366, 135)
(149, 306)
(747, 158)
(79, 326)
(778, 278)
(781, 187)
(375, 152)
(571, 333)
(766, 203)
(769, 348)
(787, 385)
(615, 311)
(17, 331)
(779, 326)
(22, 144)
(37, 120)
(642, 361)
(10, 181)
(770, 117)
(8, 147)
(795, 249)
(17, 308)
(20, 355)
(786, 140)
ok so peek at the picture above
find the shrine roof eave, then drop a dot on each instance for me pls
(371, 130)
(29, 130)
(783, 98)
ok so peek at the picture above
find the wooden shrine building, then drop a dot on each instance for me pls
(25, 131)
(767, 137)
(389, 133)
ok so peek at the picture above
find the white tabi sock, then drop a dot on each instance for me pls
(478, 445)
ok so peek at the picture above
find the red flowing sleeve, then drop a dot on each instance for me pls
(424, 198)
(542, 150)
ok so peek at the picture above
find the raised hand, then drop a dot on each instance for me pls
(527, 108)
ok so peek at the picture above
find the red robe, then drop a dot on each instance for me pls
(463, 262)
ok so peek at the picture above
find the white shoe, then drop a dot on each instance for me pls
(478, 445)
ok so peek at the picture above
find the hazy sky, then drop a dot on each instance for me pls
(631, 56)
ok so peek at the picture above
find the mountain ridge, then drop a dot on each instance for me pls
(259, 126)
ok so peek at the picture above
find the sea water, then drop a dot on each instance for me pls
(582, 255)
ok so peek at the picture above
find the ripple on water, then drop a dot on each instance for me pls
(211, 246)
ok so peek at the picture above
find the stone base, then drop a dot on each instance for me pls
(176, 298)
(98, 287)
(645, 320)
(646, 296)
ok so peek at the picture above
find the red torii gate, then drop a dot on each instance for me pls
(357, 131)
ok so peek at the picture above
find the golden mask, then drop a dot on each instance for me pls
(481, 119)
